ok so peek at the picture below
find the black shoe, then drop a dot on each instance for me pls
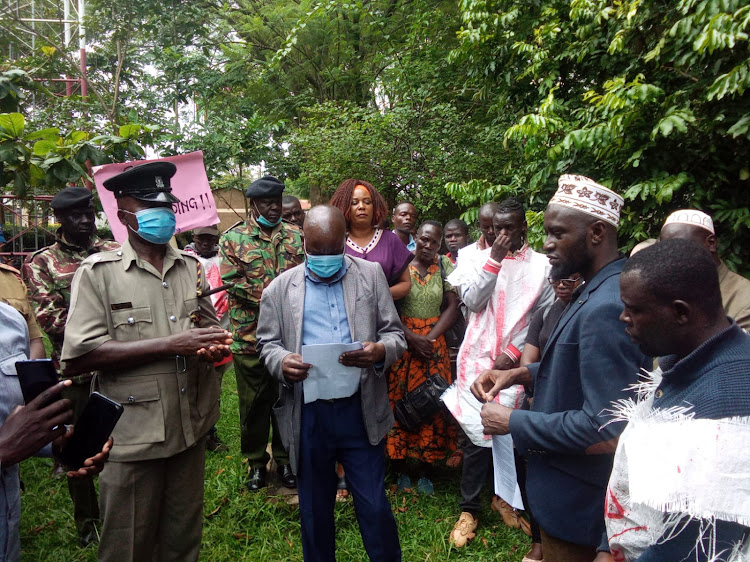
(257, 479)
(88, 538)
(214, 444)
(288, 479)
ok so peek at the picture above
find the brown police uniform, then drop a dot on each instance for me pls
(13, 292)
(152, 487)
(735, 296)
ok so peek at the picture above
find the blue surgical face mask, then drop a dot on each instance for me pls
(155, 225)
(264, 221)
(325, 266)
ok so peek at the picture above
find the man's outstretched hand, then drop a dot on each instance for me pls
(29, 428)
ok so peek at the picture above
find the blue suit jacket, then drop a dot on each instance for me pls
(587, 363)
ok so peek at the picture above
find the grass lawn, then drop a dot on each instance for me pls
(239, 525)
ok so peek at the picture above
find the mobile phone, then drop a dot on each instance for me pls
(91, 431)
(36, 376)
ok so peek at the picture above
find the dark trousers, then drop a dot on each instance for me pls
(536, 534)
(335, 431)
(257, 391)
(82, 490)
(477, 468)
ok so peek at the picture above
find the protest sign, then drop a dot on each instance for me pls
(190, 184)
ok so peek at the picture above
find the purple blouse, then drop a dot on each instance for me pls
(385, 248)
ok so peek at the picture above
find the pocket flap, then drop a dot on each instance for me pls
(134, 392)
(131, 315)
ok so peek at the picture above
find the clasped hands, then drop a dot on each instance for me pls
(209, 344)
(295, 370)
(495, 417)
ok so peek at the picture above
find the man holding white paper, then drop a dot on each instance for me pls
(330, 301)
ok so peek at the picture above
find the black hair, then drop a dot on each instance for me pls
(511, 205)
(404, 202)
(488, 209)
(458, 223)
(436, 224)
(679, 270)
(286, 199)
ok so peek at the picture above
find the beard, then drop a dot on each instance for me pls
(576, 260)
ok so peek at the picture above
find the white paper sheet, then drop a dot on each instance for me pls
(506, 483)
(327, 378)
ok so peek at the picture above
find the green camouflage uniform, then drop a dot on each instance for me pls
(251, 258)
(49, 274)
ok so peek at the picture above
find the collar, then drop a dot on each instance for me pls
(482, 243)
(723, 271)
(690, 367)
(336, 278)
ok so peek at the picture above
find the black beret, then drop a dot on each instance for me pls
(267, 186)
(147, 182)
(72, 198)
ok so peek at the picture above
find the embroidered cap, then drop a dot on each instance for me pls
(691, 217)
(585, 195)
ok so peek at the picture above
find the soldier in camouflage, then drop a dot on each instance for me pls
(49, 274)
(253, 253)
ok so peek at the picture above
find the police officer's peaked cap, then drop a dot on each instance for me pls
(147, 182)
(72, 198)
(267, 186)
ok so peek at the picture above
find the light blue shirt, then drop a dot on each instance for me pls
(412, 245)
(324, 319)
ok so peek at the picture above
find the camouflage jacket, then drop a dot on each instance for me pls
(251, 258)
(49, 273)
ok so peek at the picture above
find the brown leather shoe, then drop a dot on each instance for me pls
(463, 530)
(510, 516)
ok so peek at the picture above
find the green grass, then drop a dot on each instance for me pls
(239, 525)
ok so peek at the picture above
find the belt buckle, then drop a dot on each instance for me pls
(177, 363)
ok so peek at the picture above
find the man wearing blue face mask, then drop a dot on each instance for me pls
(334, 298)
(139, 318)
(253, 253)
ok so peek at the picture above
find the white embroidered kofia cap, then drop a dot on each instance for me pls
(691, 217)
(585, 195)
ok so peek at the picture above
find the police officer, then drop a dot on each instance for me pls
(138, 317)
(49, 274)
(13, 292)
(253, 254)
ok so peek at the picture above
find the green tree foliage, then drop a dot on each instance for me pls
(647, 98)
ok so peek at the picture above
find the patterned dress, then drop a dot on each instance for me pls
(420, 311)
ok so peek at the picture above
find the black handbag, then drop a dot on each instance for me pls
(454, 336)
(421, 404)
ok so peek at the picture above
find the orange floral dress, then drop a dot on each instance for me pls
(420, 311)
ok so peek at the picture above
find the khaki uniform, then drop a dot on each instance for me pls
(735, 296)
(13, 292)
(152, 488)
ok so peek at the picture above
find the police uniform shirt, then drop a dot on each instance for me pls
(169, 403)
(13, 292)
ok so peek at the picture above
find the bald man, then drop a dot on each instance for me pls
(314, 303)
(689, 224)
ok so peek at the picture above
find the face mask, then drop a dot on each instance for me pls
(264, 221)
(155, 225)
(325, 266)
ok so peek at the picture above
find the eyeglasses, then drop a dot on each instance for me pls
(567, 283)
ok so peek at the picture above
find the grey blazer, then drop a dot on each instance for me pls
(372, 317)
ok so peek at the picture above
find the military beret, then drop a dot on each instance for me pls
(72, 198)
(213, 229)
(147, 182)
(267, 186)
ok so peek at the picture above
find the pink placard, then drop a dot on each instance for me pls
(190, 184)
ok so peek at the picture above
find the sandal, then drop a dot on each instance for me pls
(455, 459)
(342, 491)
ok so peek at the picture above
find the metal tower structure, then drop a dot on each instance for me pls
(58, 23)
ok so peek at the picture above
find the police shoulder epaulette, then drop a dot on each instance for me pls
(235, 225)
(9, 268)
(99, 257)
(39, 251)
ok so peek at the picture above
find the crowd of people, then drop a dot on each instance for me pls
(614, 387)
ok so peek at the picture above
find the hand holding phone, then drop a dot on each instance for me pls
(36, 376)
(91, 431)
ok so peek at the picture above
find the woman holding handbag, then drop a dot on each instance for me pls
(426, 312)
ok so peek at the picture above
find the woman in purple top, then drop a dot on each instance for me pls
(364, 208)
